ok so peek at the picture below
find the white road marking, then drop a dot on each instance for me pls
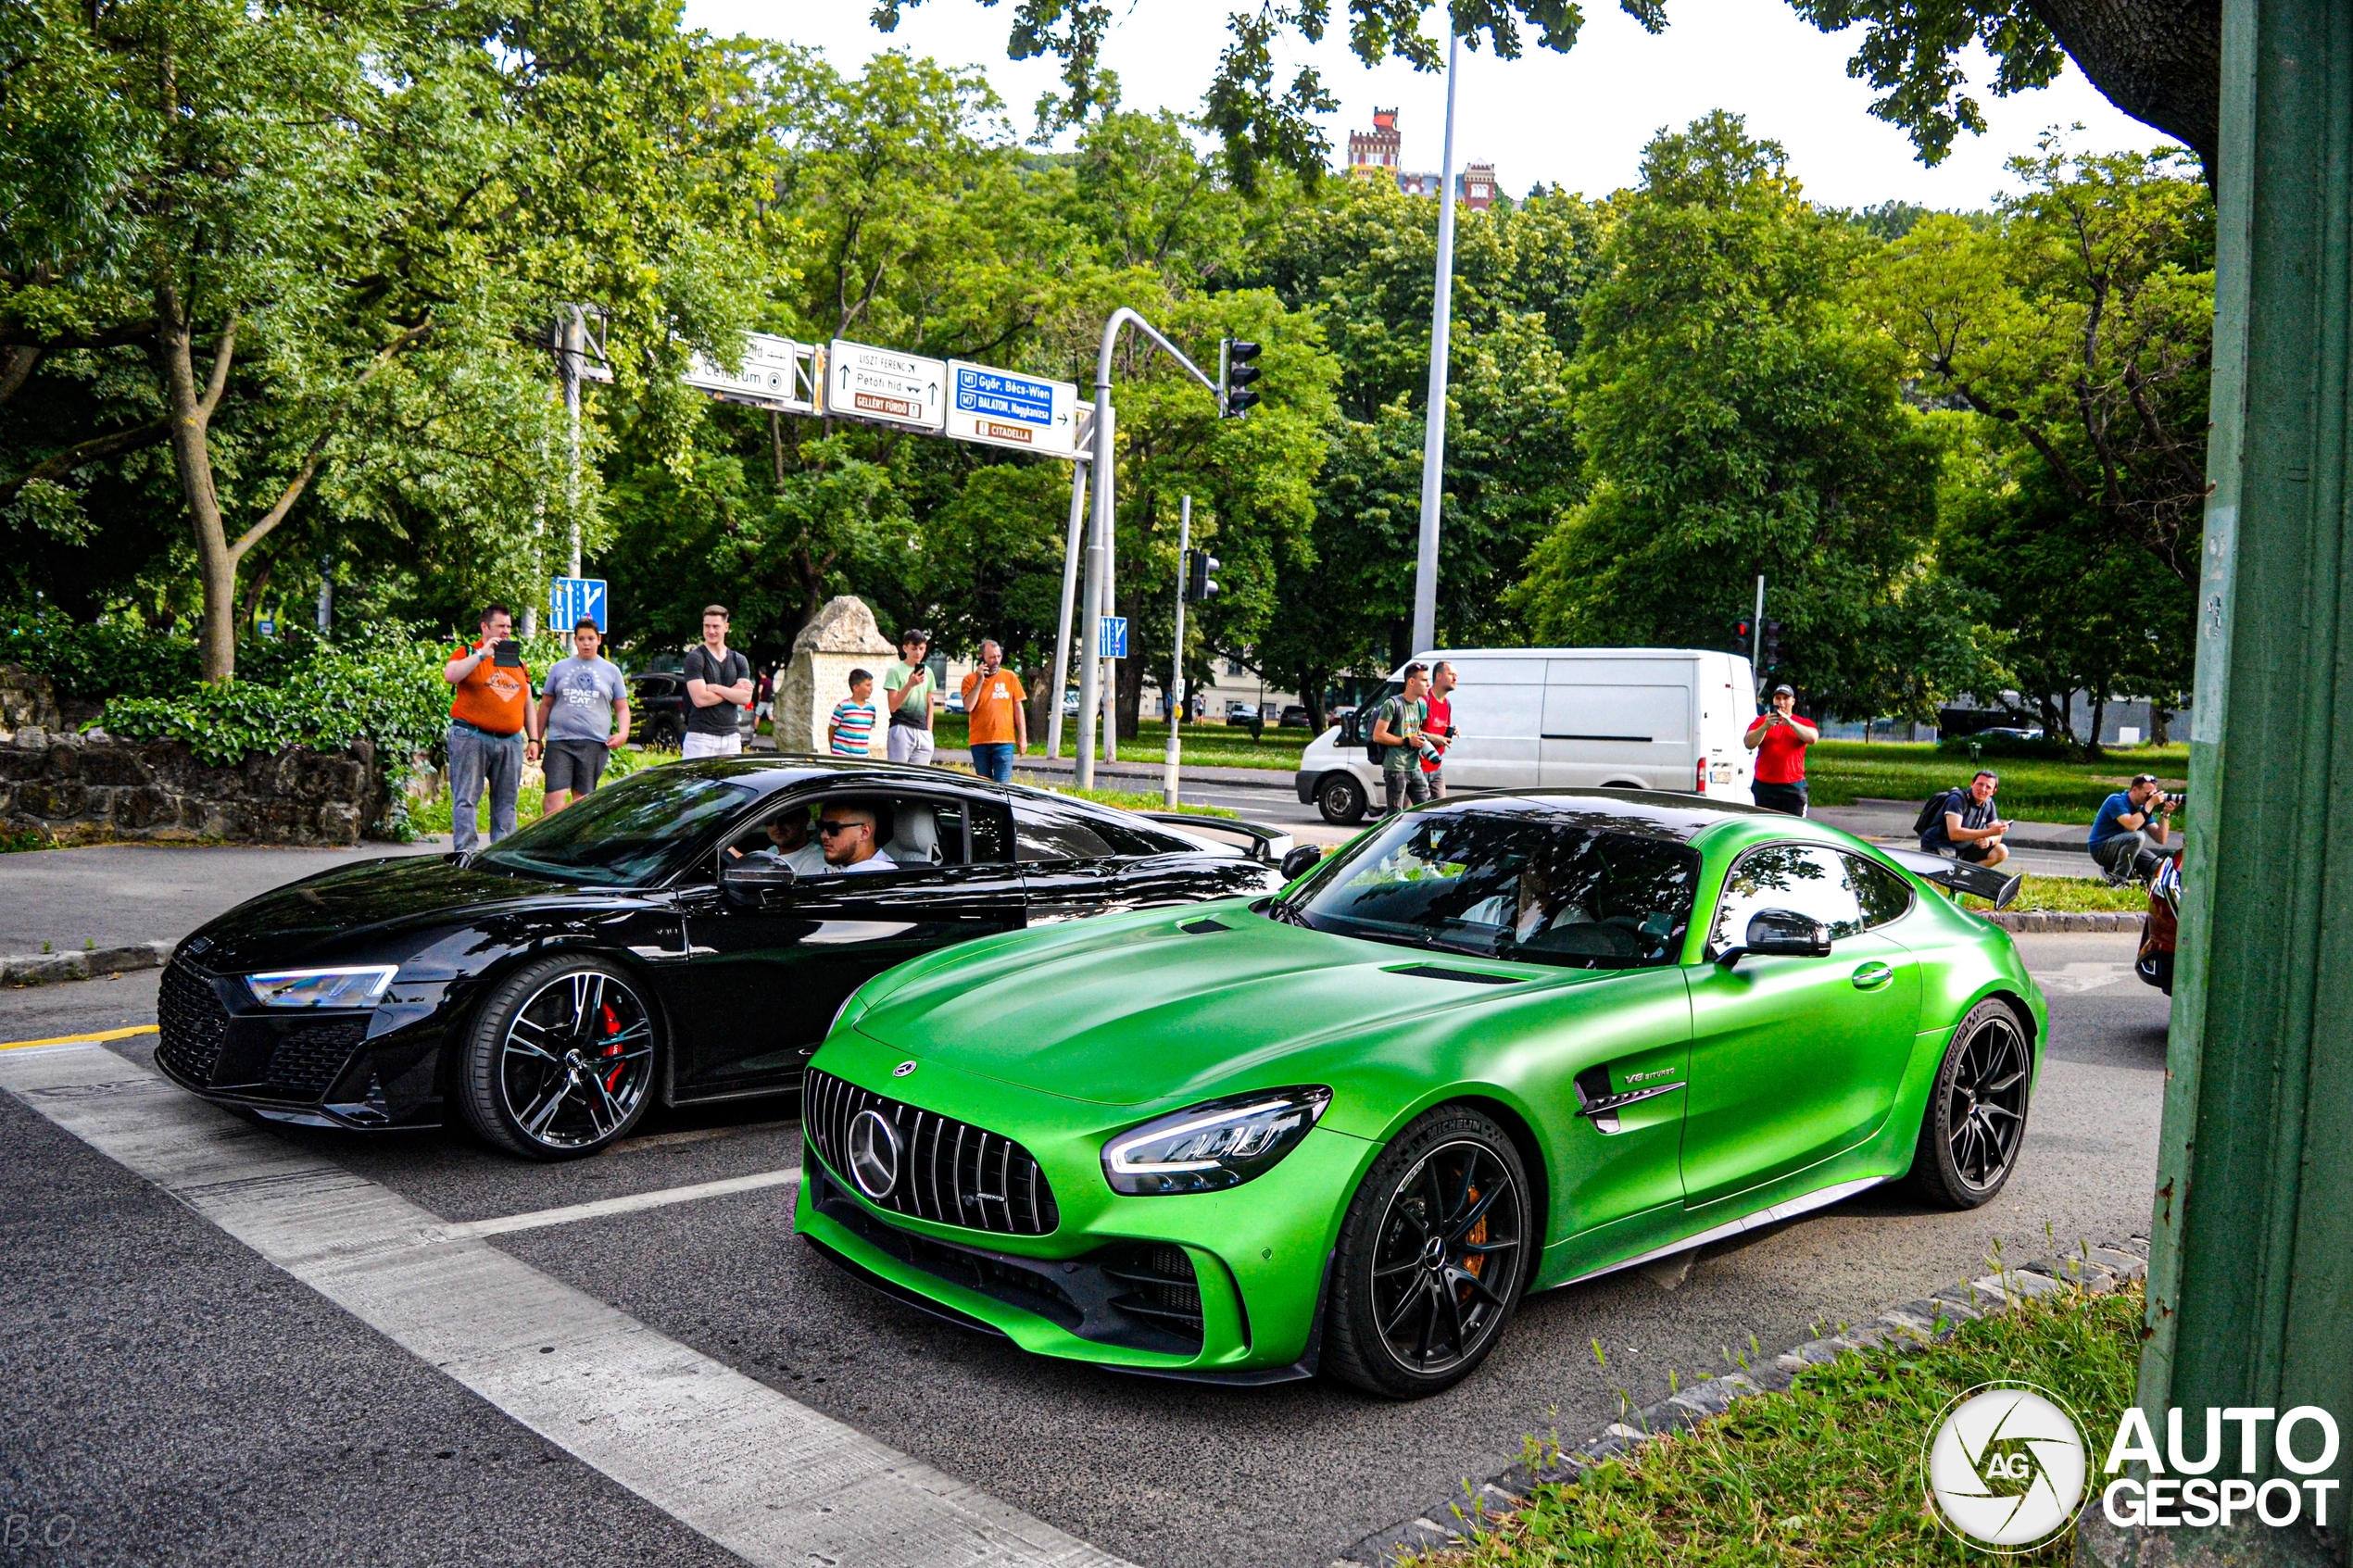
(762, 1474)
(570, 1214)
(2074, 979)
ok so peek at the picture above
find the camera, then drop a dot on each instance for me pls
(2172, 802)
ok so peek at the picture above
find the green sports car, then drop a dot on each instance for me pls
(1492, 1047)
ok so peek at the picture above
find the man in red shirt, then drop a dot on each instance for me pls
(1437, 727)
(1780, 738)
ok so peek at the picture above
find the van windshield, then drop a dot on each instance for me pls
(1509, 886)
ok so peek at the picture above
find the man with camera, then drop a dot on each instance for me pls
(492, 729)
(2127, 837)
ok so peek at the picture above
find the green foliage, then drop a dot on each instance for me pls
(390, 693)
(1735, 421)
(2051, 748)
(98, 659)
(1827, 1475)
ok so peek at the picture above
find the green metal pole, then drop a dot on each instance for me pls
(2251, 1241)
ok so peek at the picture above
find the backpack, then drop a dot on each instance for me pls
(1364, 722)
(1932, 813)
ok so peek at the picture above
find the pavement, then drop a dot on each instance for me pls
(211, 1359)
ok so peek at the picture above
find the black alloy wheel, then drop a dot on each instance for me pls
(1433, 1256)
(1975, 1120)
(1341, 799)
(558, 1061)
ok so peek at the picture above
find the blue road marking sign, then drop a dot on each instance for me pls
(572, 597)
(1004, 395)
(1110, 637)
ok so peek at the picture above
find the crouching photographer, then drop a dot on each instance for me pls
(2127, 837)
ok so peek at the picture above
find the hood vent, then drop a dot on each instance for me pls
(1438, 971)
(1203, 927)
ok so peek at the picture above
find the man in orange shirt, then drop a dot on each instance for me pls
(492, 730)
(993, 700)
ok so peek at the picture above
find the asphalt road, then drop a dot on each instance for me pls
(173, 1397)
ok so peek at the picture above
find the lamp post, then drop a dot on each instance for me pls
(1442, 314)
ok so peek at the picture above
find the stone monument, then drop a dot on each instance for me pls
(843, 637)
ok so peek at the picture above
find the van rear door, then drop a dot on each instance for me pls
(1498, 707)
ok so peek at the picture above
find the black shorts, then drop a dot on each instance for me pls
(1972, 853)
(1789, 798)
(574, 766)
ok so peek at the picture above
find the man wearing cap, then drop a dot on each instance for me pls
(2128, 835)
(1780, 738)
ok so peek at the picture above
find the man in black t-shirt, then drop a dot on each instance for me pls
(717, 689)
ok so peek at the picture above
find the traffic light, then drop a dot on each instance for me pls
(1200, 587)
(1237, 368)
(1768, 644)
(1743, 635)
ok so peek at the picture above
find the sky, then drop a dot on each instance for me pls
(1578, 120)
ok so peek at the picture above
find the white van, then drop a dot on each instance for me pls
(1668, 719)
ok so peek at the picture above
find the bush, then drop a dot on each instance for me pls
(102, 659)
(2047, 749)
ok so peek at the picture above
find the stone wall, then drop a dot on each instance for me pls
(66, 788)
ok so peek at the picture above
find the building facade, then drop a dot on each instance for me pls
(1378, 154)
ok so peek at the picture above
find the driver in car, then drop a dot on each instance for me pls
(848, 833)
(793, 846)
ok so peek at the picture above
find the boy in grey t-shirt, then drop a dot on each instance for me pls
(583, 712)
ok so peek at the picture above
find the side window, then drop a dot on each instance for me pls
(1786, 876)
(1046, 835)
(1883, 894)
(992, 833)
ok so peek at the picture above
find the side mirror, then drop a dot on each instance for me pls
(1303, 858)
(758, 884)
(1779, 933)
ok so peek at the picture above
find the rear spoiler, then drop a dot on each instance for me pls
(1267, 845)
(1959, 875)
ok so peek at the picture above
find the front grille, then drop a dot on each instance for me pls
(192, 1024)
(308, 1060)
(948, 1171)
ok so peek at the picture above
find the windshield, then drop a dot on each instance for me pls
(1528, 888)
(625, 835)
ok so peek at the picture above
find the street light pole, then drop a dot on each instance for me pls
(1098, 541)
(1441, 313)
(574, 356)
(1177, 659)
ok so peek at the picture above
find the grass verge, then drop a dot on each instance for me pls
(1827, 1475)
(1841, 773)
(2072, 895)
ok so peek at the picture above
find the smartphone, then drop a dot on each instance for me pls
(507, 653)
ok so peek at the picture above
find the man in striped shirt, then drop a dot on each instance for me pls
(851, 732)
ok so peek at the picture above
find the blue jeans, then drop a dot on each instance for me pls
(994, 759)
(478, 761)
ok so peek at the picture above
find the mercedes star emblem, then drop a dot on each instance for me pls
(902, 1070)
(874, 1154)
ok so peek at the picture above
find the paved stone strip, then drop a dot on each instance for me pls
(46, 969)
(762, 1474)
(1482, 1505)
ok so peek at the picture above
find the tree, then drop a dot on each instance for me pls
(304, 244)
(1735, 421)
(2081, 322)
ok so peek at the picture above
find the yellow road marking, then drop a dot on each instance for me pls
(80, 1039)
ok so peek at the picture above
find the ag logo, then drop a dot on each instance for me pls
(2006, 1466)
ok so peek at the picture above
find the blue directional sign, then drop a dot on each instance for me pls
(1110, 637)
(1004, 409)
(572, 597)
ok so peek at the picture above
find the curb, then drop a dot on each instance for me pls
(2050, 920)
(47, 968)
(1482, 1505)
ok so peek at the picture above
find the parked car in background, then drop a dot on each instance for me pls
(1664, 719)
(658, 709)
(1240, 712)
(2161, 926)
(1294, 717)
(647, 944)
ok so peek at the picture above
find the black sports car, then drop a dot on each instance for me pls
(671, 937)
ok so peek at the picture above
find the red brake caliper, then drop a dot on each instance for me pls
(612, 1026)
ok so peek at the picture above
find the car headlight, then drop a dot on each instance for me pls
(1207, 1148)
(358, 986)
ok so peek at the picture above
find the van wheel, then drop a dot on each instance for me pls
(1341, 799)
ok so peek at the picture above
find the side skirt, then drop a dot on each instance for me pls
(1772, 1214)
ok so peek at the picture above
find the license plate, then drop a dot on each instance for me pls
(1720, 774)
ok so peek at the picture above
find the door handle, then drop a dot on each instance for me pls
(1872, 975)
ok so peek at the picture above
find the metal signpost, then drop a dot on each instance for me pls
(1099, 548)
(1177, 659)
(570, 598)
(882, 384)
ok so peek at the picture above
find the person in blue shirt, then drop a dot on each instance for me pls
(2127, 837)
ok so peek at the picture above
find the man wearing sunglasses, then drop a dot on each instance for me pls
(848, 833)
